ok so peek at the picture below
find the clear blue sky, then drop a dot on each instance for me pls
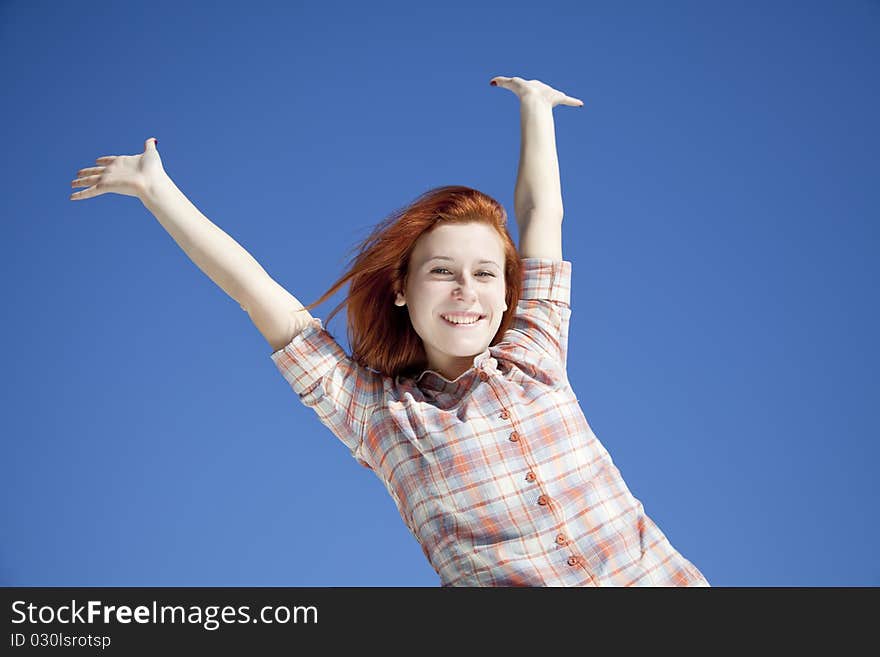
(721, 208)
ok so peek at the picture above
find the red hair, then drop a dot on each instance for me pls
(380, 334)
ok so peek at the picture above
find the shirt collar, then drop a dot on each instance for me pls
(431, 380)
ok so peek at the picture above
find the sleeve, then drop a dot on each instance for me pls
(544, 309)
(339, 390)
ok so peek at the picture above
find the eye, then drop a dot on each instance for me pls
(442, 269)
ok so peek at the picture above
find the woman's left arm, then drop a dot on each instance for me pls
(538, 195)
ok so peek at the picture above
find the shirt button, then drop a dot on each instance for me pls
(514, 437)
(543, 500)
(573, 561)
(560, 539)
(530, 476)
(484, 376)
(504, 415)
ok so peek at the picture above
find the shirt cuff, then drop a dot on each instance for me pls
(308, 357)
(544, 278)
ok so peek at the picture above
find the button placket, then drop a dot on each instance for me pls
(560, 539)
(543, 500)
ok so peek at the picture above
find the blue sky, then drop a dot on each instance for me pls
(721, 206)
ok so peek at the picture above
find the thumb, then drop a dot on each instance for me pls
(150, 143)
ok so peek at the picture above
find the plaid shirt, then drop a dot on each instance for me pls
(497, 474)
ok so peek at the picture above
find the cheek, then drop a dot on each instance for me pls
(499, 297)
(419, 313)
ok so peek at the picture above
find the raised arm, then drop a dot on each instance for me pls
(538, 194)
(277, 314)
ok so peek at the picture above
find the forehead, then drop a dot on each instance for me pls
(465, 242)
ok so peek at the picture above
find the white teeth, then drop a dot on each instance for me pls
(459, 322)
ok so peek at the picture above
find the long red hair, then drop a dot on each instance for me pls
(380, 334)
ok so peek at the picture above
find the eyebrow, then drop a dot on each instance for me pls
(481, 262)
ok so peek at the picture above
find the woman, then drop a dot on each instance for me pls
(456, 394)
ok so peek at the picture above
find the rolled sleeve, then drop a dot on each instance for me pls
(340, 391)
(544, 309)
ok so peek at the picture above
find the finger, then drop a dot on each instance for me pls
(90, 171)
(574, 102)
(500, 81)
(85, 181)
(106, 159)
(86, 193)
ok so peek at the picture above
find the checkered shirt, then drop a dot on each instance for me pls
(497, 474)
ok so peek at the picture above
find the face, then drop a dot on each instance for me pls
(455, 276)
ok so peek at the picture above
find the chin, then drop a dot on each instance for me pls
(461, 350)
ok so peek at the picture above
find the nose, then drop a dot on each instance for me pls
(465, 289)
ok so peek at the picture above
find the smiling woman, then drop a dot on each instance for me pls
(456, 393)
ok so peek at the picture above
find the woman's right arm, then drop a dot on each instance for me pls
(276, 313)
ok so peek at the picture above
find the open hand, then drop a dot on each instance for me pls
(130, 175)
(526, 88)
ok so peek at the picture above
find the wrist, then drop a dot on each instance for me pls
(154, 188)
(534, 99)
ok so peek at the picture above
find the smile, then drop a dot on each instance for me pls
(468, 324)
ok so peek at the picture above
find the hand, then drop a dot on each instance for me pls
(130, 175)
(535, 88)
